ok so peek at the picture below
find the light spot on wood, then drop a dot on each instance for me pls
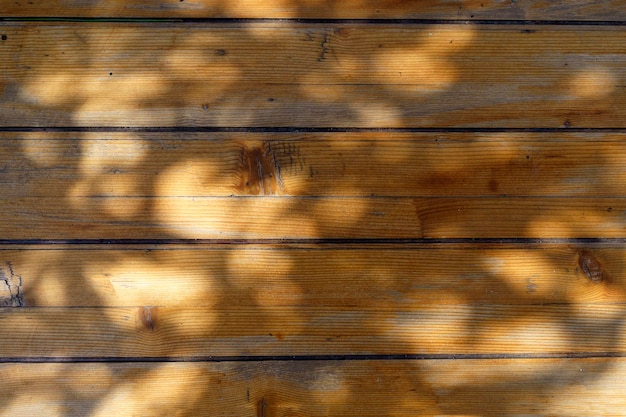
(594, 82)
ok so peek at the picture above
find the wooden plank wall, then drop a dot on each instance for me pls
(282, 207)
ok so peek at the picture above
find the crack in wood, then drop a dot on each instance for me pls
(325, 46)
(261, 408)
(277, 166)
(259, 166)
(11, 286)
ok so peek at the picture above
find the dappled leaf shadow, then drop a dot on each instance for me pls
(299, 297)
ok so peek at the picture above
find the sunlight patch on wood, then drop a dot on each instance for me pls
(276, 283)
(91, 94)
(45, 271)
(572, 224)
(160, 394)
(188, 177)
(39, 404)
(186, 217)
(133, 279)
(524, 332)
(513, 276)
(384, 113)
(593, 82)
(424, 63)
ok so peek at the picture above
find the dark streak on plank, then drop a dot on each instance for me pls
(307, 358)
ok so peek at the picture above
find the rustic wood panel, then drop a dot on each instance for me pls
(342, 75)
(569, 387)
(348, 9)
(278, 276)
(251, 330)
(113, 164)
(538, 327)
(309, 218)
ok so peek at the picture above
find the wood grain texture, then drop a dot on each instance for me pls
(348, 9)
(252, 330)
(356, 164)
(230, 218)
(342, 75)
(569, 387)
(309, 276)
(297, 304)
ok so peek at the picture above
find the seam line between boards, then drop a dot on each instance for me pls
(327, 21)
(296, 129)
(303, 358)
(328, 241)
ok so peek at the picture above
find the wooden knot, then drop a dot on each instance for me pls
(147, 317)
(261, 171)
(590, 266)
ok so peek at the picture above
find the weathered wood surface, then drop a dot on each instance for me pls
(81, 185)
(308, 276)
(342, 317)
(572, 387)
(591, 10)
(186, 303)
(347, 164)
(376, 329)
(331, 75)
(310, 218)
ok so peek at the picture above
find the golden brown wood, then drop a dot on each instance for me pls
(569, 387)
(538, 326)
(113, 164)
(249, 329)
(309, 218)
(342, 75)
(347, 9)
(277, 276)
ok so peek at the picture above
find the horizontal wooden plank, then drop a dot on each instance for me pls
(572, 387)
(231, 330)
(363, 164)
(309, 218)
(348, 9)
(264, 277)
(343, 75)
